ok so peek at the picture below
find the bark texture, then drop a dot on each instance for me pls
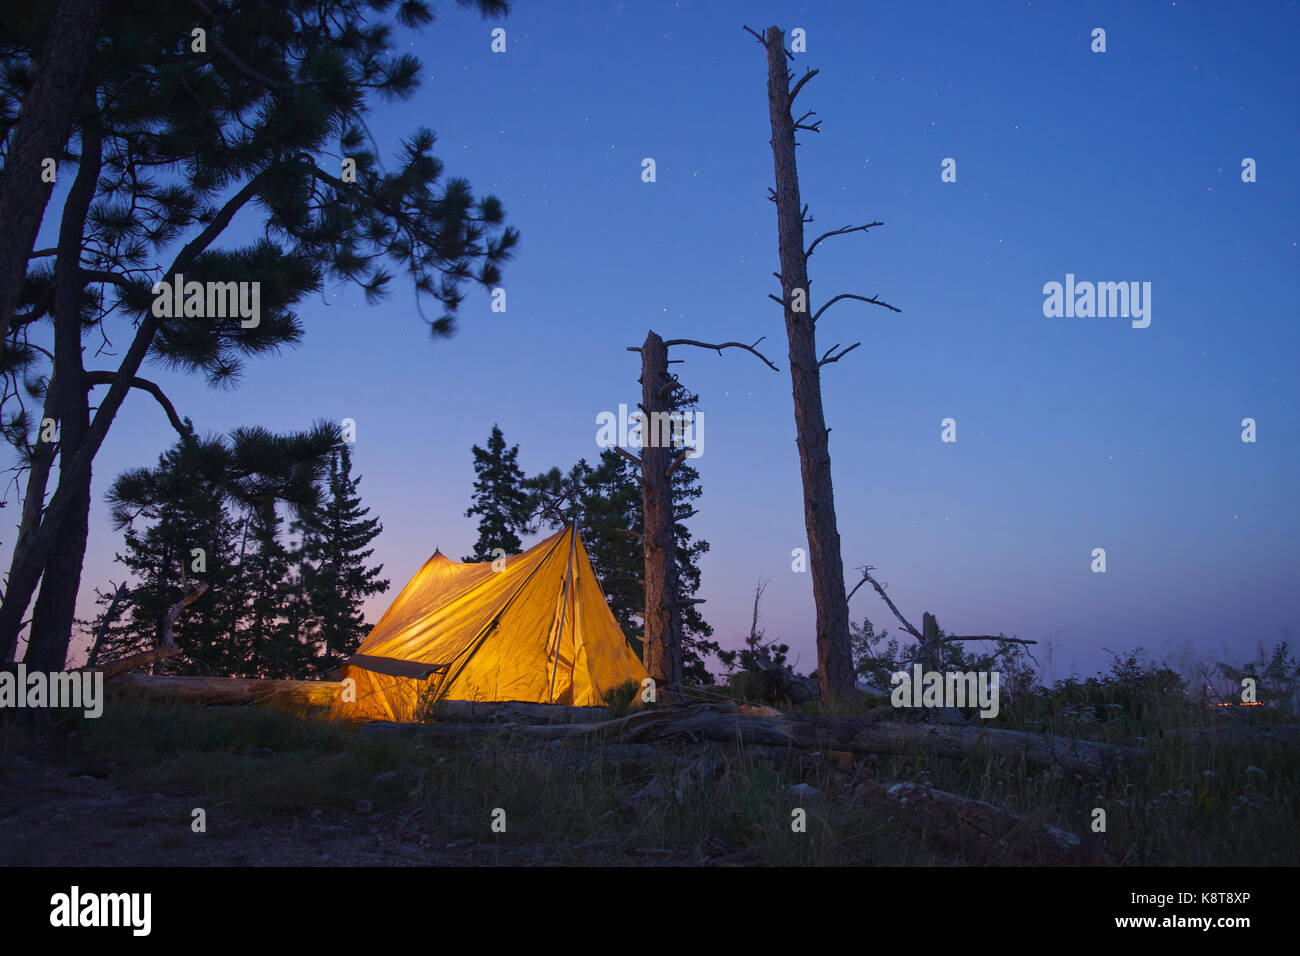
(75, 468)
(53, 616)
(44, 123)
(834, 657)
(663, 629)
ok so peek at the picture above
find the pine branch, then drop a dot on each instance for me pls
(725, 345)
(679, 461)
(849, 295)
(827, 359)
(799, 86)
(105, 377)
(839, 232)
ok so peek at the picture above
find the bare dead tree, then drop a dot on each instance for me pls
(834, 655)
(660, 457)
(930, 639)
(105, 622)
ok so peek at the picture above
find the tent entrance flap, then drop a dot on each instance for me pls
(395, 668)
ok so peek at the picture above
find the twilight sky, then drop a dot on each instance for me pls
(1072, 433)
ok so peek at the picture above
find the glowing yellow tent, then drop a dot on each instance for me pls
(537, 630)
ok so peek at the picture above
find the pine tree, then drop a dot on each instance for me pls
(500, 499)
(270, 649)
(696, 631)
(178, 536)
(176, 135)
(221, 496)
(332, 561)
(606, 501)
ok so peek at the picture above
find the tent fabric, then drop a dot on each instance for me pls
(467, 632)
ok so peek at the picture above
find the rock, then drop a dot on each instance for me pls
(364, 807)
(945, 715)
(803, 791)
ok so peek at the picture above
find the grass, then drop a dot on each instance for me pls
(1184, 805)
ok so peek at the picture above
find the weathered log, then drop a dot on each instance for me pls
(170, 620)
(231, 690)
(980, 830)
(696, 722)
(165, 650)
(143, 659)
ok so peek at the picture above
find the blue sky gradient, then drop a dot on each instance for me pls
(1072, 433)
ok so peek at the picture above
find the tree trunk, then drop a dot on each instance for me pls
(834, 658)
(663, 629)
(931, 651)
(38, 477)
(56, 606)
(42, 132)
(105, 623)
(74, 469)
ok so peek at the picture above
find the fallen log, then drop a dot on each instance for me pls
(163, 651)
(230, 690)
(981, 830)
(697, 722)
(143, 659)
